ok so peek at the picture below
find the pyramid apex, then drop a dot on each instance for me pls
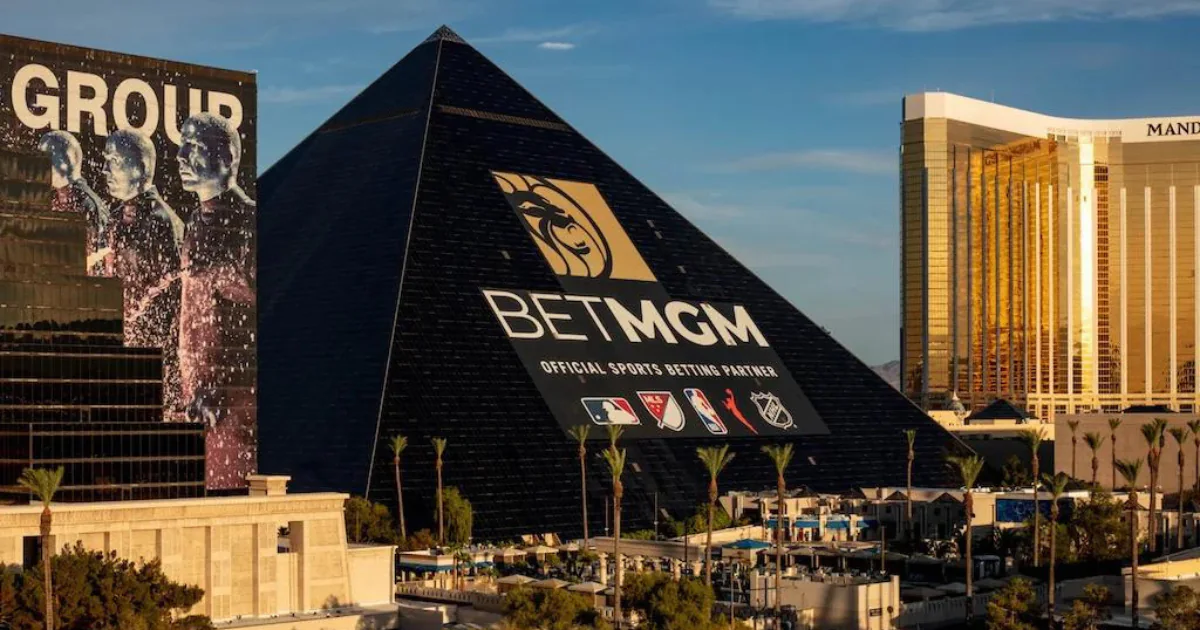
(446, 33)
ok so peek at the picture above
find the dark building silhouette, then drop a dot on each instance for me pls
(378, 233)
(71, 393)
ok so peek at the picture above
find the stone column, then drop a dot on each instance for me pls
(603, 569)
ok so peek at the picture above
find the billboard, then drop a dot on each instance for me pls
(159, 157)
(614, 348)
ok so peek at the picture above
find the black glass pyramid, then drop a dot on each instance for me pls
(378, 233)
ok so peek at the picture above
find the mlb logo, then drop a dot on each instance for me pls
(610, 411)
(708, 415)
(664, 409)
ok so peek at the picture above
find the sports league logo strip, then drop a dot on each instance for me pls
(664, 409)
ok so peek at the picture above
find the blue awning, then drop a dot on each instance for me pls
(837, 524)
(748, 543)
(808, 524)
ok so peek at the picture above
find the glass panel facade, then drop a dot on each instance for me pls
(1054, 269)
(71, 393)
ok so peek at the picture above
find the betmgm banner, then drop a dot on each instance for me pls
(159, 158)
(613, 348)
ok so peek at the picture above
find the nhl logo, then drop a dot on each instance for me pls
(772, 410)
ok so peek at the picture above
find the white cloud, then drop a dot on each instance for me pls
(865, 161)
(525, 35)
(291, 95)
(944, 15)
(556, 45)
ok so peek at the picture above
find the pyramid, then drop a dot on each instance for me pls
(399, 243)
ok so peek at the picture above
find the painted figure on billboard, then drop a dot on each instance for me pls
(218, 279)
(144, 236)
(71, 192)
(170, 148)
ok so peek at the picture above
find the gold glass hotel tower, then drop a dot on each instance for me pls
(1049, 261)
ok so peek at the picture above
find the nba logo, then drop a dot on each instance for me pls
(708, 415)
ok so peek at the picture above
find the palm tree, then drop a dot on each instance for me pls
(715, 460)
(43, 483)
(1073, 425)
(1056, 484)
(1033, 439)
(439, 447)
(1181, 435)
(1194, 427)
(1130, 470)
(1113, 425)
(616, 465)
(968, 469)
(1095, 442)
(911, 436)
(399, 443)
(781, 456)
(1154, 432)
(580, 433)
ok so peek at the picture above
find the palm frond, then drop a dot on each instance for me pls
(1094, 440)
(968, 468)
(911, 436)
(42, 482)
(1130, 470)
(1057, 483)
(615, 458)
(1032, 438)
(398, 444)
(615, 431)
(780, 454)
(439, 445)
(715, 458)
(1179, 433)
(580, 432)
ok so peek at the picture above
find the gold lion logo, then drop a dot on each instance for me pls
(574, 228)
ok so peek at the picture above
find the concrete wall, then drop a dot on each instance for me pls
(227, 546)
(1130, 445)
(863, 606)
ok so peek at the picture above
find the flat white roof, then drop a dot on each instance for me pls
(1005, 118)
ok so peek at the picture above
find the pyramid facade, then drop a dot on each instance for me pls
(400, 242)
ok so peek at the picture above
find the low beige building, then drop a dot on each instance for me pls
(232, 548)
(835, 601)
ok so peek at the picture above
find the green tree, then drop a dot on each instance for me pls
(398, 444)
(781, 456)
(1155, 435)
(968, 469)
(459, 517)
(1113, 425)
(1073, 425)
(615, 458)
(1033, 440)
(1180, 435)
(1130, 470)
(99, 591)
(1095, 442)
(1014, 473)
(1177, 609)
(1056, 484)
(43, 484)
(1013, 607)
(910, 437)
(439, 449)
(368, 522)
(715, 459)
(580, 433)
(1098, 529)
(665, 604)
(1088, 611)
(419, 540)
(550, 609)
(1194, 427)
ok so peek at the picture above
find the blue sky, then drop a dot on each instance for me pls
(772, 124)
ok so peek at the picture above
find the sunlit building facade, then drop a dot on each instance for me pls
(1049, 261)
